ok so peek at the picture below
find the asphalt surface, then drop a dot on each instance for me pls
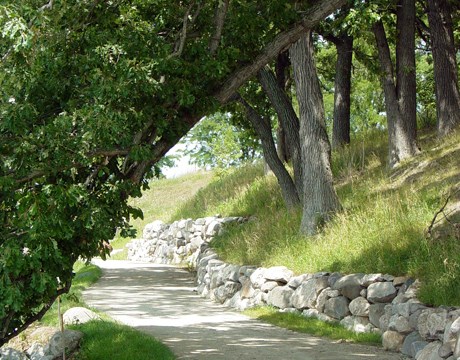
(160, 300)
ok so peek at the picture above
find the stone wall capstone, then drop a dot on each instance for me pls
(360, 302)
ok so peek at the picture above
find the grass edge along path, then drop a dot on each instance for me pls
(299, 323)
(104, 339)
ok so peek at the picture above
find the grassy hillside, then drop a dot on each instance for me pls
(382, 228)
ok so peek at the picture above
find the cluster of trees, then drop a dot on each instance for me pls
(94, 93)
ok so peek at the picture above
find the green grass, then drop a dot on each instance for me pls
(85, 276)
(382, 227)
(108, 340)
(161, 201)
(104, 339)
(299, 323)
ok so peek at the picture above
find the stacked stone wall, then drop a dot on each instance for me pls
(360, 302)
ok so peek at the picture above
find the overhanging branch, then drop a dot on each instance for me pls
(315, 13)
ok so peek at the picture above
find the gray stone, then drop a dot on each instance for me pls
(306, 294)
(37, 352)
(333, 279)
(289, 311)
(429, 352)
(296, 281)
(358, 324)
(313, 313)
(257, 278)
(348, 280)
(323, 296)
(381, 292)
(12, 354)
(400, 280)
(226, 291)
(231, 272)
(445, 350)
(359, 307)
(213, 228)
(79, 315)
(216, 279)
(278, 273)
(63, 341)
(337, 307)
(407, 348)
(370, 279)
(269, 286)
(375, 312)
(457, 348)
(280, 297)
(392, 340)
(351, 291)
(152, 228)
(400, 324)
(452, 330)
(432, 323)
(247, 291)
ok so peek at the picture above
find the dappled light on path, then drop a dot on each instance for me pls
(160, 300)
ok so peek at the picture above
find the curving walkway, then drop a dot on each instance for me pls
(159, 300)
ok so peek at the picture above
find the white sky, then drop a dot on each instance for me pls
(181, 167)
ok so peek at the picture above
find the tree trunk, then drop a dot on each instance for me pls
(281, 65)
(281, 148)
(341, 124)
(287, 118)
(263, 129)
(319, 199)
(445, 66)
(406, 83)
(399, 100)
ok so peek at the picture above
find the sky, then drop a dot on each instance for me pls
(182, 165)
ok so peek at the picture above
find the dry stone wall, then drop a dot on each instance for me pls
(360, 302)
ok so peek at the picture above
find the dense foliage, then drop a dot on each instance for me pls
(93, 94)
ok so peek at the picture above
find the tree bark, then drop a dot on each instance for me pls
(319, 199)
(342, 94)
(399, 99)
(287, 118)
(406, 83)
(445, 66)
(263, 129)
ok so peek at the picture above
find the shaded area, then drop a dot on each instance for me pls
(160, 300)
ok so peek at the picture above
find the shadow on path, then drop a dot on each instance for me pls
(160, 300)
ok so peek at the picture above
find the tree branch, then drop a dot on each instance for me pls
(183, 35)
(221, 13)
(440, 211)
(6, 337)
(315, 13)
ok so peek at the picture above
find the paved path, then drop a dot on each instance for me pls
(159, 300)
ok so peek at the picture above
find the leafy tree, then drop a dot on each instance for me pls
(217, 141)
(93, 95)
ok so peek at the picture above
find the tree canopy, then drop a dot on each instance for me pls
(94, 93)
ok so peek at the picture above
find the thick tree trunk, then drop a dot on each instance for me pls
(406, 83)
(281, 145)
(281, 65)
(319, 199)
(341, 124)
(445, 66)
(263, 129)
(287, 118)
(400, 105)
